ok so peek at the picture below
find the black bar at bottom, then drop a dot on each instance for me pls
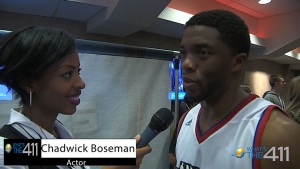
(72, 161)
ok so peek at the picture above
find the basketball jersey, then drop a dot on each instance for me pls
(231, 143)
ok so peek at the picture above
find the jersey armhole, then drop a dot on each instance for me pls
(180, 123)
(260, 129)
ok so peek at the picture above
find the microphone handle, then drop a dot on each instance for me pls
(146, 137)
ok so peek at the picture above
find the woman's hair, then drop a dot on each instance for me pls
(294, 106)
(27, 53)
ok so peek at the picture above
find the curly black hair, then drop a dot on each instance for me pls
(27, 53)
(234, 32)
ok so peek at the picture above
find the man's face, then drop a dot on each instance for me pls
(280, 85)
(206, 63)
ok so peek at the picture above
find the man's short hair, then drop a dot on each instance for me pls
(233, 30)
(274, 78)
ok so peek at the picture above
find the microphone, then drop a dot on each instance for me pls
(160, 121)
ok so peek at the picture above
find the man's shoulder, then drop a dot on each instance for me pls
(269, 94)
(281, 131)
(259, 102)
(280, 120)
(266, 93)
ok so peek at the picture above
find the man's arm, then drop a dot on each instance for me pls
(172, 156)
(281, 131)
(172, 159)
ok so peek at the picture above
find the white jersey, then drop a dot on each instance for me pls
(229, 143)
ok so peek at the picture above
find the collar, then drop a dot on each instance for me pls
(18, 119)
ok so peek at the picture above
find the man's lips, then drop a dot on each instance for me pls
(188, 80)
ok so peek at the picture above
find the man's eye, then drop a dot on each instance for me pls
(202, 52)
(182, 54)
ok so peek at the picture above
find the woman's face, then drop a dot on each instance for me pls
(58, 90)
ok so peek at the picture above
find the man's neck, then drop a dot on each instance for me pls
(214, 110)
(220, 106)
(275, 90)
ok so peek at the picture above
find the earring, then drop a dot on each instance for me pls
(30, 98)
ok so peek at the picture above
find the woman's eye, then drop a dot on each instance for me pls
(67, 75)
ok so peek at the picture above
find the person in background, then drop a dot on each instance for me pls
(42, 66)
(246, 88)
(277, 84)
(218, 132)
(184, 106)
(293, 109)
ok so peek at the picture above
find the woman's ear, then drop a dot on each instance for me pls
(27, 85)
(238, 62)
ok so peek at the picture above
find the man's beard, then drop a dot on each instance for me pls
(206, 93)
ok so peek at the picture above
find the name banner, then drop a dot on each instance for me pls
(69, 152)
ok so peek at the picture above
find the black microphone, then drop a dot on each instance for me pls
(160, 121)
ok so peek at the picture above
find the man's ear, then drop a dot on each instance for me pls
(239, 61)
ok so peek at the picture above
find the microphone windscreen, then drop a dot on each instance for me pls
(161, 120)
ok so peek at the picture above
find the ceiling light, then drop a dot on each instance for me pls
(264, 1)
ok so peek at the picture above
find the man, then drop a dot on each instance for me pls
(223, 129)
(277, 83)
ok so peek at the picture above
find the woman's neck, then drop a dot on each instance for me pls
(44, 119)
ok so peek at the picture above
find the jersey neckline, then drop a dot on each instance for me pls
(202, 137)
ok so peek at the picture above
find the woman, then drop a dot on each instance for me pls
(42, 66)
(293, 109)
